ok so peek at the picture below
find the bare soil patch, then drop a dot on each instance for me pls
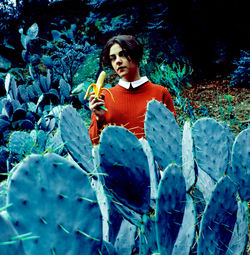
(224, 103)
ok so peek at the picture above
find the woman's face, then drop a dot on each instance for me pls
(122, 64)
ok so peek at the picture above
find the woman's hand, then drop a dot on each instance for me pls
(95, 106)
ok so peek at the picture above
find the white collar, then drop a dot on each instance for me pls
(134, 84)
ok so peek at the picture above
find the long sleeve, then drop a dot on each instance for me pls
(168, 102)
(94, 132)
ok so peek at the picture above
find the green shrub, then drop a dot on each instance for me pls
(240, 76)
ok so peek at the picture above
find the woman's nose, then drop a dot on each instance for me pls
(118, 60)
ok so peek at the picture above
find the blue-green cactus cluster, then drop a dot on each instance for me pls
(21, 144)
(176, 193)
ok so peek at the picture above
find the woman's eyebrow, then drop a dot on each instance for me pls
(121, 51)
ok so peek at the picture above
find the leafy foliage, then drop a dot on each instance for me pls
(33, 102)
(64, 55)
(8, 18)
(240, 76)
(174, 77)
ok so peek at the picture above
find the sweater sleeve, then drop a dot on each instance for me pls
(168, 101)
(95, 127)
(94, 130)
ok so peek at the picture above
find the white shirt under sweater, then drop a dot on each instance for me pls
(134, 84)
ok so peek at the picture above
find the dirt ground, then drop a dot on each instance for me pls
(223, 102)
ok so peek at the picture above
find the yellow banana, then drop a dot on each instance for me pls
(98, 87)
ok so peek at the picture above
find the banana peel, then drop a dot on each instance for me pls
(98, 88)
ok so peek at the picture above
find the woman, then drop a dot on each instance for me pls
(123, 53)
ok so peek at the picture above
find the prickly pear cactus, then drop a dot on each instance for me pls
(108, 249)
(147, 235)
(112, 219)
(153, 171)
(218, 220)
(205, 184)
(125, 168)
(3, 193)
(21, 143)
(170, 208)
(76, 138)
(10, 241)
(238, 242)
(163, 134)
(125, 240)
(188, 156)
(40, 137)
(230, 136)
(240, 171)
(186, 234)
(53, 199)
(211, 147)
(127, 213)
(200, 205)
(55, 143)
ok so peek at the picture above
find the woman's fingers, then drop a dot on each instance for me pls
(94, 103)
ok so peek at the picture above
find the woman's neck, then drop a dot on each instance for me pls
(133, 77)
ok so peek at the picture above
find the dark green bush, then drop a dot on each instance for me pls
(240, 76)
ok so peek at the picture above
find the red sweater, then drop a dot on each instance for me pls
(129, 108)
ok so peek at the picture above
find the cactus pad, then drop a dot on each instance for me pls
(76, 138)
(125, 166)
(240, 236)
(170, 208)
(53, 200)
(21, 143)
(10, 244)
(240, 171)
(186, 234)
(187, 156)
(125, 240)
(154, 175)
(211, 147)
(218, 219)
(205, 184)
(163, 134)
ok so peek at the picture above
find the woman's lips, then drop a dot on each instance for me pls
(121, 68)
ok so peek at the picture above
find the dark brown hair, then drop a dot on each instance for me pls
(131, 46)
